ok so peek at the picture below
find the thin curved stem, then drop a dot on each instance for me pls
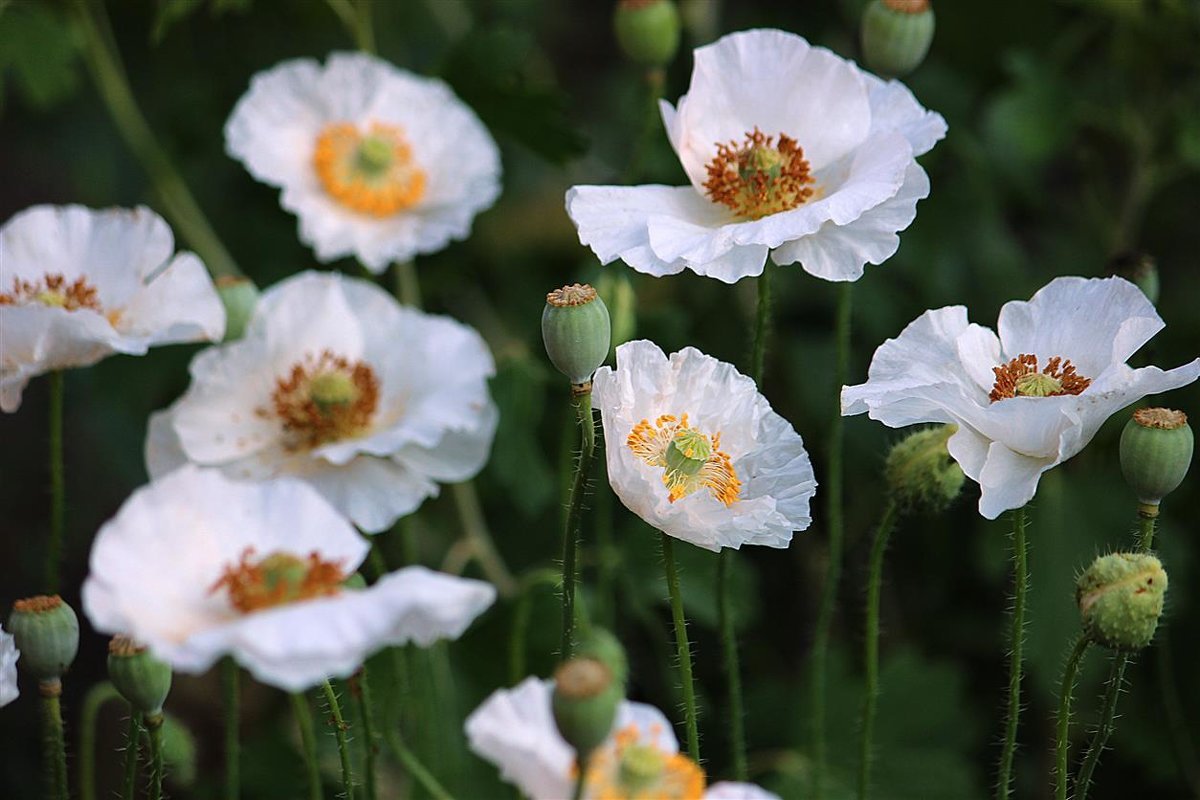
(95, 699)
(308, 741)
(1063, 742)
(232, 712)
(414, 766)
(581, 399)
(132, 747)
(339, 732)
(683, 648)
(733, 670)
(58, 490)
(887, 522)
(366, 713)
(833, 575)
(1108, 713)
(483, 547)
(356, 17)
(406, 284)
(762, 327)
(1016, 659)
(154, 726)
(53, 743)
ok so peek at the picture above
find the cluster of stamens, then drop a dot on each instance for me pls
(690, 460)
(324, 399)
(372, 173)
(278, 579)
(1020, 378)
(757, 178)
(633, 770)
(53, 290)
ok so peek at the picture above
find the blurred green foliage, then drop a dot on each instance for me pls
(1074, 135)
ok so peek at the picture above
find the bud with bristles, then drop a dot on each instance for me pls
(896, 35)
(585, 701)
(576, 331)
(46, 632)
(142, 679)
(648, 31)
(920, 473)
(1156, 451)
(1120, 598)
(239, 296)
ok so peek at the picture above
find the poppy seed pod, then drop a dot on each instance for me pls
(239, 296)
(920, 472)
(576, 331)
(46, 632)
(896, 35)
(647, 31)
(585, 701)
(1156, 451)
(142, 679)
(602, 645)
(1120, 598)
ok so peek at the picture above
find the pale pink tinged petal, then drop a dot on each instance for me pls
(372, 492)
(180, 304)
(970, 450)
(1009, 480)
(893, 108)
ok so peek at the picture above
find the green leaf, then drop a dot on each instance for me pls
(41, 48)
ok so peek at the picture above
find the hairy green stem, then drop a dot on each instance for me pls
(339, 731)
(414, 766)
(833, 575)
(1147, 516)
(1108, 713)
(682, 647)
(308, 742)
(54, 749)
(58, 486)
(232, 712)
(1016, 658)
(178, 204)
(132, 747)
(1062, 741)
(733, 670)
(95, 699)
(655, 80)
(887, 523)
(581, 399)
(366, 713)
(154, 725)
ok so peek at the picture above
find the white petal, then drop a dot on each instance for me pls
(179, 304)
(893, 108)
(274, 126)
(372, 492)
(459, 455)
(1009, 480)
(727, 790)
(9, 654)
(970, 450)
(163, 451)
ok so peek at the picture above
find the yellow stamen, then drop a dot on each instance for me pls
(758, 178)
(634, 770)
(324, 399)
(690, 459)
(372, 173)
(53, 290)
(1020, 378)
(278, 579)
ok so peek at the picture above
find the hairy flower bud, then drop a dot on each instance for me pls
(647, 31)
(1120, 598)
(239, 296)
(46, 631)
(896, 35)
(585, 701)
(576, 331)
(603, 646)
(1156, 451)
(920, 473)
(142, 679)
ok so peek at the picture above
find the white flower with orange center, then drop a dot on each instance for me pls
(9, 654)
(1028, 399)
(336, 383)
(377, 163)
(514, 729)
(697, 452)
(197, 566)
(791, 151)
(77, 285)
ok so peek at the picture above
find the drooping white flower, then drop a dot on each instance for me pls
(77, 285)
(515, 730)
(197, 566)
(1028, 399)
(790, 150)
(376, 162)
(334, 382)
(697, 452)
(8, 668)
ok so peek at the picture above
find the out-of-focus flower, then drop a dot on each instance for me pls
(376, 162)
(77, 285)
(197, 566)
(8, 668)
(790, 150)
(336, 383)
(1028, 399)
(697, 452)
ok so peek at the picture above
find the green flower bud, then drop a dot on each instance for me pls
(179, 751)
(46, 631)
(576, 331)
(603, 646)
(1156, 451)
(1120, 598)
(896, 35)
(647, 31)
(585, 701)
(616, 290)
(920, 473)
(142, 679)
(239, 296)
(1139, 269)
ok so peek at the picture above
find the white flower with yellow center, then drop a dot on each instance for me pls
(334, 382)
(790, 150)
(697, 452)
(1028, 399)
(77, 285)
(377, 163)
(8, 668)
(515, 730)
(197, 566)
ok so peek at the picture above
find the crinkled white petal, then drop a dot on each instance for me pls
(893, 108)
(767, 454)
(8, 668)
(728, 790)
(275, 126)
(146, 296)
(514, 729)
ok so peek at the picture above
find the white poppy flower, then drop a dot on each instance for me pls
(1032, 397)
(77, 285)
(8, 668)
(376, 162)
(334, 382)
(728, 790)
(790, 150)
(697, 452)
(197, 566)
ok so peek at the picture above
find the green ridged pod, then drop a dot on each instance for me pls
(576, 331)
(1156, 452)
(896, 35)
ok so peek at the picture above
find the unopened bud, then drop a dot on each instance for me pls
(616, 290)
(920, 473)
(602, 645)
(239, 296)
(1156, 451)
(1120, 598)
(647, 31)
(896, 35)
(576, 331)
(585, 701)
(46, 631)
(142, 679)
(179, 751)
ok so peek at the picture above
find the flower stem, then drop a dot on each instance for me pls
(154, 725)
(762, 327)
(96, 697)
(683, 648)
(229, 691)
(129, 787)
(1147, 516)
(366, 713)
(356, 17)
(414, 766)
(833, 498)
(581, 779)
(1062, 746)
(887, 523)
(58, 492)
(1016, 658)
(53, 744)
(483, 547)
(733, 670)
(1116, 681)
(581, 399)
(339, 732)
(308, 741)
(178, 204)
(406, 284)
